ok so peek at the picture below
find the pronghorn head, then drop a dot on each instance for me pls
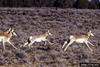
(90, 33)
(49, 33)
(12, 31)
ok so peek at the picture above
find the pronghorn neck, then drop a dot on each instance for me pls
(88, 34)
(46, 34)
(10, 34)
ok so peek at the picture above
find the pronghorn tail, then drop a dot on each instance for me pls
(28, 41)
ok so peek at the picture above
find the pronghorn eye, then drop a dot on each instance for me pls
(8, 32)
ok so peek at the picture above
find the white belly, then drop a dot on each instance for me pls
(80, 40)
(2, 38)
(40, 39)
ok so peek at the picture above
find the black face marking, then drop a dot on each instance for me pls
(12, 33)
(8, 32)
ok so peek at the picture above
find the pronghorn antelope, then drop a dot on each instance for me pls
(83, 38)
(6, 36)
(38, 38)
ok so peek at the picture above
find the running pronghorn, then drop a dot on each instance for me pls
(83, 38)
(38, 38)
(6, 36)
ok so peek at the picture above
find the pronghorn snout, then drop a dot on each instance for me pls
(50, 34)
(92, 34)
(14, 34)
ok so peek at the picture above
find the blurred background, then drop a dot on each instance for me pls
(79, 4)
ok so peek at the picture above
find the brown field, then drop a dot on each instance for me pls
(61, 23)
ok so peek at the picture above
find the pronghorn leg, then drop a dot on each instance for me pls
(30, 43)
(88, 46)
(12, 44)
(45, 42)
(49, 42)
(25, 44)
(64, 44)
(3, 45)
(90, 43)
(68, 45)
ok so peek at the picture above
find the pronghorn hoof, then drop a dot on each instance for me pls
(51, 43)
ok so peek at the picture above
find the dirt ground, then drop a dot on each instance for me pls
(62, 23)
